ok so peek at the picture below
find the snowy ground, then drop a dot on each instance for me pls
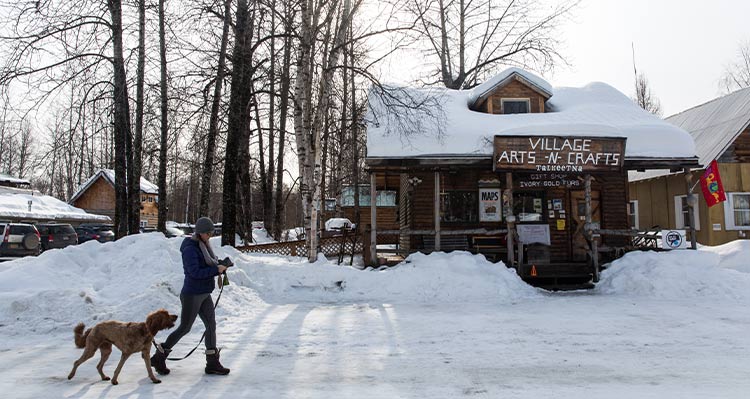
(666, 325)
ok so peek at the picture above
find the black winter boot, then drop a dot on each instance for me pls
(212, 363)
(159, 360)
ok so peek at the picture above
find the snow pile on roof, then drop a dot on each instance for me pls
(146, 186)
(14, 203)
(597, 110)
(11, 179)
(490, 84)
(679, 274)
(109, 174)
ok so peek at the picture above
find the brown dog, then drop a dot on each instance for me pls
(129, 338)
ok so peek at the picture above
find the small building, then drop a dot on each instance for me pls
(97, 195)
(721, 130)
(517, 170)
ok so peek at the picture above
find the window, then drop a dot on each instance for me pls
(459, 206)
(737, 211)
(384, 197)
(633, 214)
(330, 204)
(528, 206)
(516, 105)
(681, 217)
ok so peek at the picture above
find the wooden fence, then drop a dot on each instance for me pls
(329, 246)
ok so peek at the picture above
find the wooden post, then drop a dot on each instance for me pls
(509, 218)
(589, 231)
(437, 210)
(690, 202)
(373, 220)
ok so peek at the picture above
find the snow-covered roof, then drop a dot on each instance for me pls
(14, 204)
(504, 77)
(10, 179)
(448, 128)
(714, 126)
(109, 175)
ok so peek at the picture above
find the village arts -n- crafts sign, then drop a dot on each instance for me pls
(558, 154)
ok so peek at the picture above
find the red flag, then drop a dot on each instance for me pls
(713, 190)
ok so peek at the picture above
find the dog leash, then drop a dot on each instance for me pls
(221, 290)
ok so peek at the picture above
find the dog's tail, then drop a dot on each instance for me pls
(80, 336)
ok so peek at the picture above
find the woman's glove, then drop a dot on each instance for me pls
(226, 262)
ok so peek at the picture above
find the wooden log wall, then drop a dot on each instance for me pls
(513, 90)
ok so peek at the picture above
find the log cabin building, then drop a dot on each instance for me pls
(97, 195)
(516, 170)
(721, 130)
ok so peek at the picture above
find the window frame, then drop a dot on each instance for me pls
(729, 212)
(474, 212)
(678, 213)
(544, 216)
(636, 224)
(379, 192)
(510, 99)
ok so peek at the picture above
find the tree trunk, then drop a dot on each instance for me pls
(121, 120)
(283, 107)
(135, 185)
(239, 120)
(268, 192)
(213, 125)
(307, 130)
(162, 221)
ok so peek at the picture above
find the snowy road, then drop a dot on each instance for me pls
(559, 345)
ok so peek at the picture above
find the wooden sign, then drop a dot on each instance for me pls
(559, 154)
(548, 180)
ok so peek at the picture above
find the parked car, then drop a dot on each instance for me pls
(173, 232)
(19, 239)
(101, 233)
(56, 235)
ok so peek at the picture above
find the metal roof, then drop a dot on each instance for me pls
(714, 126)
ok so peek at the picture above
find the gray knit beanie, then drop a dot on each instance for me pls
(204, 225)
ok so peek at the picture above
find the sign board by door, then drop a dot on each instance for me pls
(533, 233)
(559, 154)
(490, 205)
(673, 239)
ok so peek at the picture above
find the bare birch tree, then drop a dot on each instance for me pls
(737, 73)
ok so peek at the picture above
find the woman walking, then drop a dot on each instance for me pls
(200, 266)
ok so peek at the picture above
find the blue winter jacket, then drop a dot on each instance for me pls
(199, 276)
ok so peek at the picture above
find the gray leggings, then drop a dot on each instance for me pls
(195, 305)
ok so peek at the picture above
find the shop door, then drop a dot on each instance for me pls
(578, 220)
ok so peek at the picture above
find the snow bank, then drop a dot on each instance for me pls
(676, 275)
(733, 255)
(131, 277)
(434, 278)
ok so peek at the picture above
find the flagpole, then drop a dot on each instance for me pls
(691, 210)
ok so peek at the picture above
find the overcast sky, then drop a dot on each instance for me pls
(683, 46)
